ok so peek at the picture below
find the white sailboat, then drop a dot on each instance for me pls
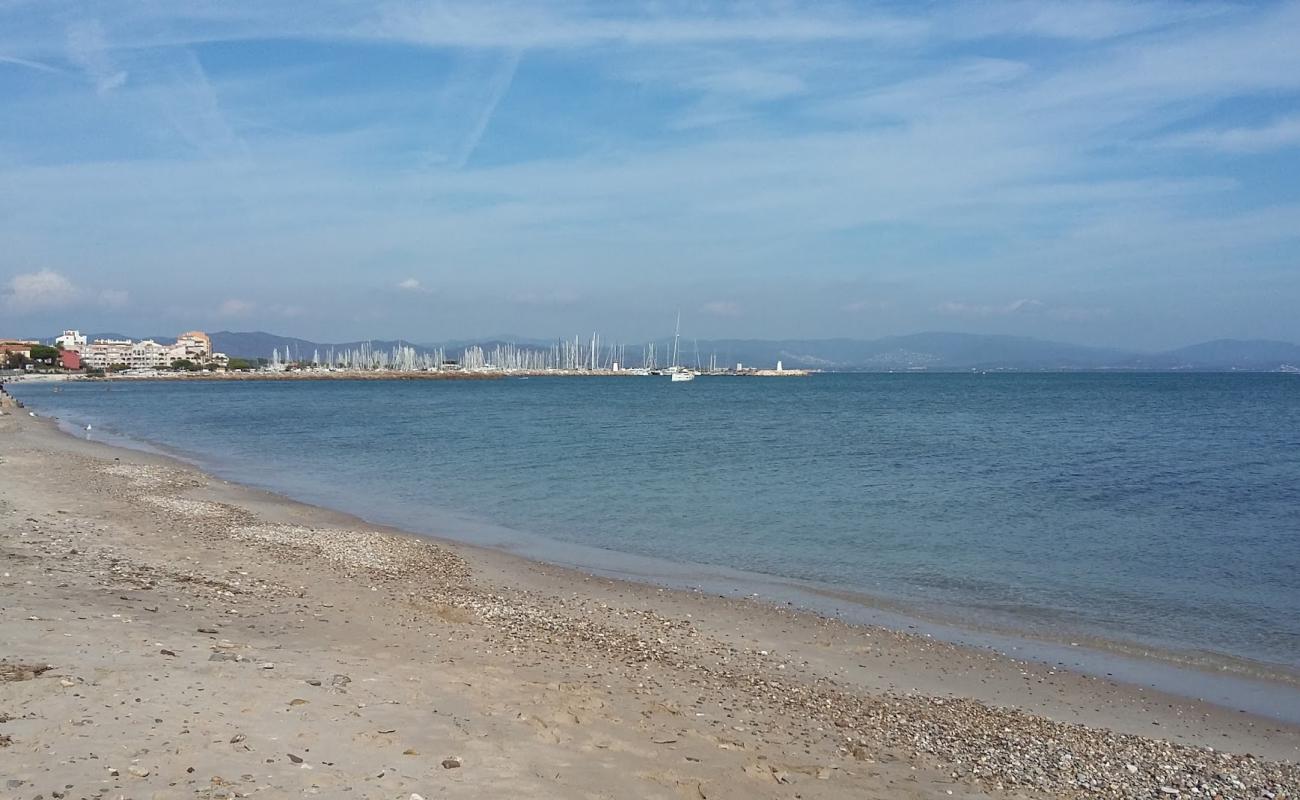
(676, 373)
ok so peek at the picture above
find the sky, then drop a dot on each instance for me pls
(1110, 173)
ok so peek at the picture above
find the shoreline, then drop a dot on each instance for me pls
(1239, 683)
(501, 614)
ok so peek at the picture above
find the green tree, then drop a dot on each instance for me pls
(45, 354)
(16, 361)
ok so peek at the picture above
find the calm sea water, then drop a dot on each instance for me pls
(1157, 509)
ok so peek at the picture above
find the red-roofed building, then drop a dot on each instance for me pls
(69, 359)
(14, 351)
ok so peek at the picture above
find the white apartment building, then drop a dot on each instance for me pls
(148, 354)
(71, 340)
(104, 353)
(192, 346)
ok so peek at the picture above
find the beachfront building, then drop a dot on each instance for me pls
(105, 353)
(19, 350)
(71, 340)
(70, 359)
(193, 345)
(148, 354)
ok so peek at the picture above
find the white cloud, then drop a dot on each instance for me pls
(411, 285)
(721, 308)
(957, 309)
(1277, 135)
(34, 291)
(235, 308)
(47, 289)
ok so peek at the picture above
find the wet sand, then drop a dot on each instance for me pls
(206, 639)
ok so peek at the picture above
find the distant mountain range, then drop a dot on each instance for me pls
(963, 351)
(920, 351)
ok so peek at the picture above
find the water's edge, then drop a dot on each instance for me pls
(1267, 690)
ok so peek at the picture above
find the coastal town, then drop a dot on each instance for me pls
(72, 352)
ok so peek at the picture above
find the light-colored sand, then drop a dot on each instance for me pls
(206, 640)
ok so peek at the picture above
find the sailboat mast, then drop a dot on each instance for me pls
(677, 335)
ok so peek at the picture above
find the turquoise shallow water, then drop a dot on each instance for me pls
(1157, 509)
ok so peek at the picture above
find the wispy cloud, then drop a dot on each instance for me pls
(1276, 135)
(1024, 307)
(411, 285)
(547, 25)
(1085, 20)
(495, 89)
(1026, 144)
(749, 82)
(30, 64)
(959, 309)
(87, 47)
(186, 99)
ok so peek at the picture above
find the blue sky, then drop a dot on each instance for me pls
(1120, 173)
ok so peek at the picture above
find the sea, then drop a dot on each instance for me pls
(1152, 513)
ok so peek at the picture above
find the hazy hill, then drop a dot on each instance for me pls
(1232, 354)
(921, 350)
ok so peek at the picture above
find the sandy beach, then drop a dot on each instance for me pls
(167, 634)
